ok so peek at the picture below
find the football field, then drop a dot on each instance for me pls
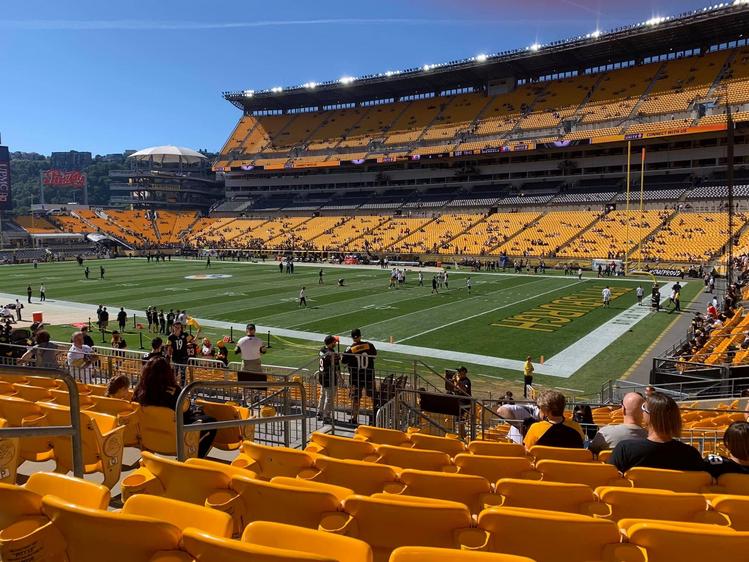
(503, 319)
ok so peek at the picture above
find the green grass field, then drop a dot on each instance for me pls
(452, 320)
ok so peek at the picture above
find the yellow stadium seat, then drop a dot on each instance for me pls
(674, 480)
(267, 462)
(101, 438)
(645, 503)
(6, 388)
(424, 553)
(257, 500)
(412, 458)
(339, 447)
(494, 468)
(473, 491)
(589, 473)
(382, 436)
(180, 514)
(44, 382)
(496, 449)
(663, 541)
(203, 547)
(20, 502)
(734, 484)
(164, 477)
(127, 414)
(10, 455)
(308, 541)
(338, 491)
(362, 477)
(450, 446)
(22, 413)
(735, 508)
(157, 428)
(62, 397)
(32, 393)
(540, 453)
(231, 438)
(417, 523)
(552, 496)
(548, 536)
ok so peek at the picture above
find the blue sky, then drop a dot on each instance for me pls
(107, 76)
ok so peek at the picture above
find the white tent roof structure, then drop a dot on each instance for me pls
(168, 154)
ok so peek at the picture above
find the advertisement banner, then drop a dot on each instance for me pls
(5, 203)
(60, 178)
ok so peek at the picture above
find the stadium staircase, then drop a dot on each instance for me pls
(644, 96)
(188, 230)
(581, 233)
(574, 119)
(435, 120)
(386, 131)
(288, 232)
(653, 233)
(154, 226)
(375, 228)
(446, 243)
(516, 234)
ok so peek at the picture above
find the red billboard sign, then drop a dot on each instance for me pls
(60, 178)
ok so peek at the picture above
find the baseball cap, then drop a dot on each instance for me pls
(250, 326)
(356, 333)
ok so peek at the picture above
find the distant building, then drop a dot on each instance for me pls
(71, 160)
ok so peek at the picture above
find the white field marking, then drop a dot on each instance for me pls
(508, 305)
(572, 358)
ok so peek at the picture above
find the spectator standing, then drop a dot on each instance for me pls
(81, 357)
(122, 319)
(87, 339)
(328, 378)
(157, 349)
(177, 349)
(43, 354)
(28, 293)
(162, 322)
(170, 320)
(42, 293)
(302, 298)
(516, 415)
(359, 357)
(609, 436)
(251, 348)
(554, 430)
(528, 370)
(660, 449)
(19, 308)
(104, 319)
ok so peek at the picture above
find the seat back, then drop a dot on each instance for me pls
(10, 454)
(112, 406)
(412, 458)
(340, 447)
(496, 449)
(268, 462)
(674, 480)
(32, 393)
(309, 541)
(382, 436)
(567, 536)
(493, 468)
(736, 508)
(462, 488)
(93, 535)
(540, 452)
(666, 542)
(44, 382)
(588, 473)
(180, 514)
(231, 438)
(22, 413)
(68, 488)
(648, 503)
(553, 496)
(421, 553)
(737, 484)
(158, 432)
(363, 478)
(448, 445)
(62, 397)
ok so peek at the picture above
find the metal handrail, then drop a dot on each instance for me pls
(73, 430)
(205, 426)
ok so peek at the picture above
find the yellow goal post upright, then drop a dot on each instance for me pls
(628, 242)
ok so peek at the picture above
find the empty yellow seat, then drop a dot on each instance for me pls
(412, 458)
(10, 455)
(362, 477)
(157, 428)
(386, 524)
(308, 541)
(101, 438)
(448, 445)
(663, 541)
(230, 438)
(339, 447)
(552, 496)
(496, 449)
(548, 536)
(338, 491)
(127, 414)
(734, 484)
(645, 503)
(62, 397)
(674, 480)
(21, 413)
(180, 514)
(589, 473)
(159, 476)
(44, 382)
(32, 393)
(425, 553)
(382, 436)
(540, 453)
(735, 508)
(473, 491)
(267, 462)
(493, 468)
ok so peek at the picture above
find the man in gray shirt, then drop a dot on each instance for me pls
(610, 435)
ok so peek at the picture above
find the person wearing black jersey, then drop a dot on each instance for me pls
(328, 378)
(359, 358)
(177, 350)
(736, 440)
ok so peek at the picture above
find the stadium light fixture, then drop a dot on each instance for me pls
(596, 34)
(535, 47)
(426, 68)
(347, 80)
(739, 2)
(481, 58)
(249, 93)
(276, 89)
(655, 20)
(310, 85)
(389, 73)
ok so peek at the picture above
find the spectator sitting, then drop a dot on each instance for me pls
(609, 436)
(660, 449)
(736, 440)
(554, 430)
(119, 387)
(583, 415)
(158, 387)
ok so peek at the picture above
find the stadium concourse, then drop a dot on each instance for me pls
(565, 223)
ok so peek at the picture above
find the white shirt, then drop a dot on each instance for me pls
(606, 294)
(250, 347)
(76, 355)
(301, 294)
(182, 318)
(639, 291)
(41, 289)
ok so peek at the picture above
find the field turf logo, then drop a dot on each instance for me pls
(204, 276)
(560, 312)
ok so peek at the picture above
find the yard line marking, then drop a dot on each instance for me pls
(491, 310)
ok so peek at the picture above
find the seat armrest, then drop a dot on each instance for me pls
(335, 522)
(624, 553)
(596, 509)
(472, 539)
